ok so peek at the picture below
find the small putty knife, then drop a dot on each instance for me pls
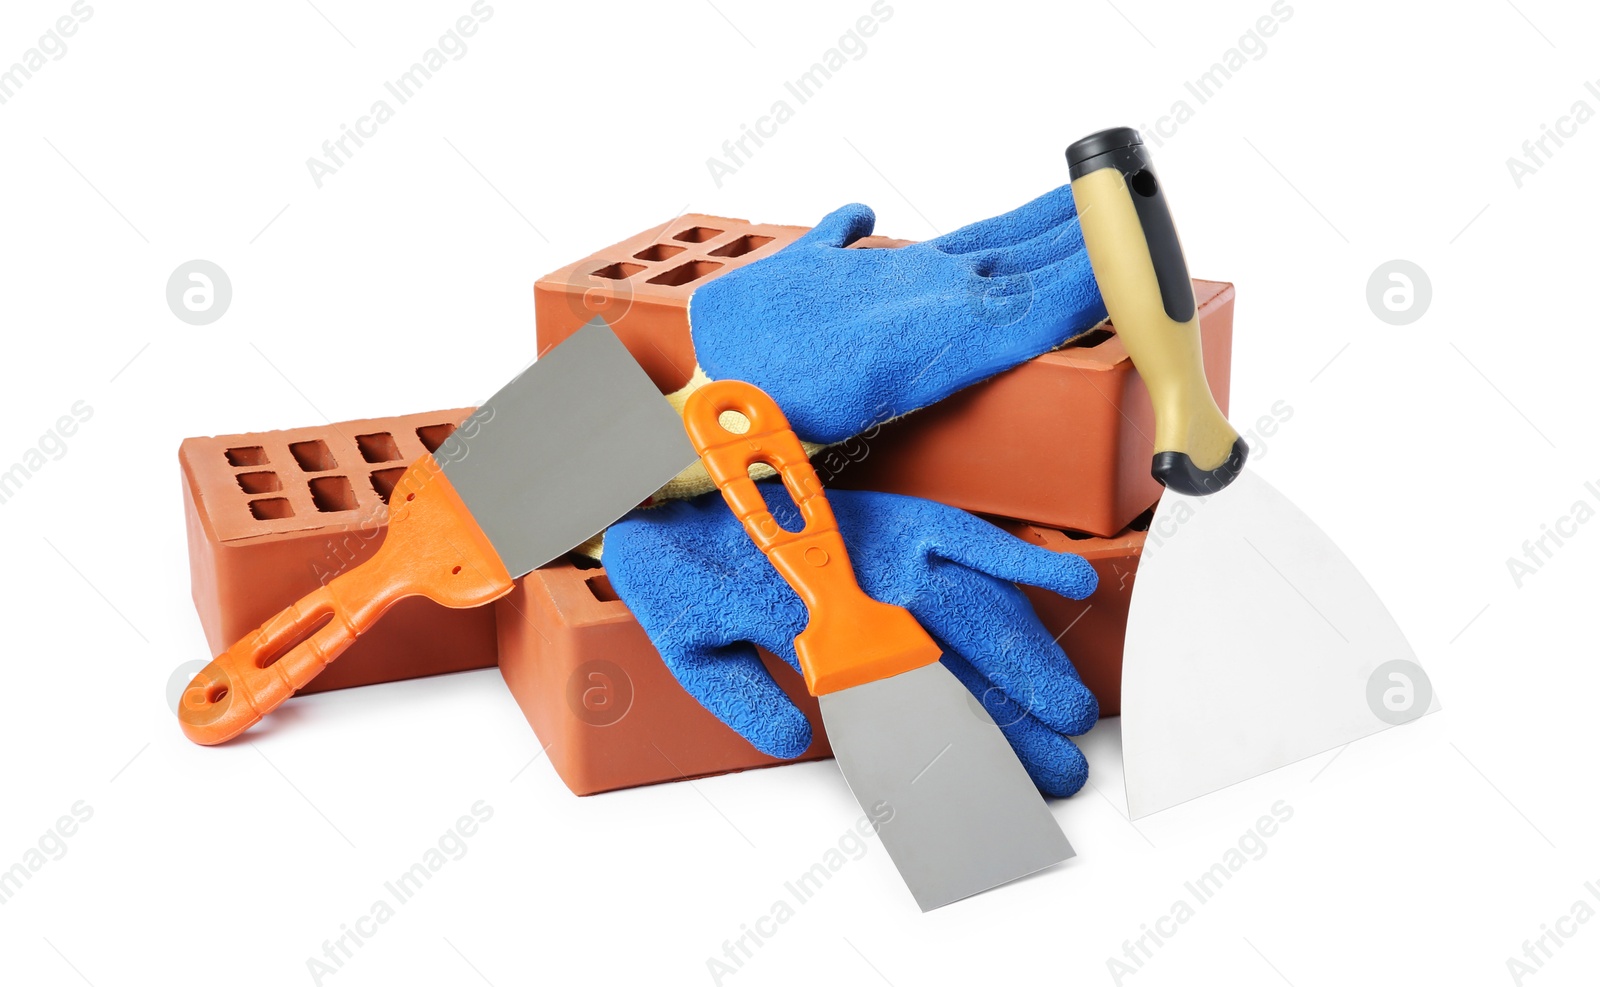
(577, 440)
(1252, 640)
(958, 813)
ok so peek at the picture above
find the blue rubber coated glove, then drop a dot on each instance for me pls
(846, 339)
(706, 594)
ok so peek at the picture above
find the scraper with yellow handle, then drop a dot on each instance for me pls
(955, 808)
(1252, 640)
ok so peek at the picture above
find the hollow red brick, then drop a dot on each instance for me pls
(611, 716)
(642, 285)
(1062, 441)
(272, 515)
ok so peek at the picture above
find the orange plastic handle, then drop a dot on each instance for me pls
(851, 639)
(433, 548)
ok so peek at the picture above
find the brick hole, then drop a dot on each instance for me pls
(332, 494)
(314, 456)
(618, 271)
(379, 447)
(697, 234)
(685, 273)
(383, 481)
(433, 436)
(265, 481)
(659, 251)
(271, 509)
(600, 586)
(742, 246)
(247, 456)
(1090, 339)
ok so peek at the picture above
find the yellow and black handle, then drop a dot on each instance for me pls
(1138, 263)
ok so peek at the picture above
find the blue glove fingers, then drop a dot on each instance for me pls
(992, 625)
(735, 686)
(777, 636)
(1022, 223)
(1050, 247)
(975, 543)
(840, 228)
(1053, 761)
(1066, 290)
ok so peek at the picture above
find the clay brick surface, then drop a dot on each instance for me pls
(272, 515)
(642, 285)
(1062, 441)
(599, 697)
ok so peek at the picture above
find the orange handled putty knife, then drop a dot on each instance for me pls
(958, 813)
(574, 442)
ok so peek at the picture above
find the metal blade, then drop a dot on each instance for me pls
(963, 816)
(576, 441)
(1252, 642)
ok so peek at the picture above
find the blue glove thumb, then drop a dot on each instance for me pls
(842, 227)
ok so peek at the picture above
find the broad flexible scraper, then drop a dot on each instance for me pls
(955, 808)
(1252, 640)
(574, 442)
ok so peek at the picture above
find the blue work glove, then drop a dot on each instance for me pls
(706, 594)
(845, 340)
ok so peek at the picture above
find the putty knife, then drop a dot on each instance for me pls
(1252, 641)
(574, 442)
(954, 807)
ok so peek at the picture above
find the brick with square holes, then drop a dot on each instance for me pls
(1062, 441)
(642, 285)
(272, 515)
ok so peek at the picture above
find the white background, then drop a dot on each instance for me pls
(1366, 132)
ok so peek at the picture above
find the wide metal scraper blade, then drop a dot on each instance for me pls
(1252, 642)
(577, 440)
(962, 814)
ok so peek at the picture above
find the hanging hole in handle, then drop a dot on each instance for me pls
(779, 501)
(270, 659)
(735, 422)
(1143, 182)
(216, 694)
